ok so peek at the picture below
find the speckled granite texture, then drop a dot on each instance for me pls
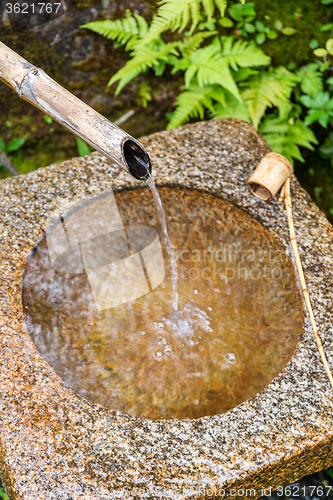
(56, 445)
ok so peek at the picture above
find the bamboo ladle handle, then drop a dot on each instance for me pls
(273, 172)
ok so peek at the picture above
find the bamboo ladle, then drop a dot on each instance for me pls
(273, 172)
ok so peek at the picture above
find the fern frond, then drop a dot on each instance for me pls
(242, 54)
(280, 144)
(266, 90)
(210, 67)
(143, 58)
(284, 137)
(274, 126)
(311, 79)
(286, 110)
(189, 44)
(208, 6)
(232, 109)
(125, 31)
(211, 64)
(288, 79)
(221, 5)
(193, 102)
(302, 135)
(142, 24)
(173, 15)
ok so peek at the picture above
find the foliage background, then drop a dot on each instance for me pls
(84, 61)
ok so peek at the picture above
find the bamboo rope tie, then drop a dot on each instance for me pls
(285, 194)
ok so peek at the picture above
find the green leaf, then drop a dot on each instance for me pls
(260, 38)
(3, 494)
(288, 31)
(307, 101)
(278, 25)
(326, 149)
(321, 108)
(329, 46)
(226, 22)
(326, 27)
(314, 44)
(244, 13)
(15, 145)
(48, 119)
(3, 146)
(329, 82)
(260, 26)
(82, 147)
(322, 100)
(324, 66)
(271, 34)
(326, 2)
(320, 52)
(250, 28)
(311, 79)
(317, 116)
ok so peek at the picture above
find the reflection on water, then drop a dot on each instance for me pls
(237, 324)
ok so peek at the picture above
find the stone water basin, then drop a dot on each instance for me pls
(239, 318)
(58, 442)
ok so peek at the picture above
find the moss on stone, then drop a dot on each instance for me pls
(306, 16)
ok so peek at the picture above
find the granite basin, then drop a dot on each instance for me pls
(56, 444)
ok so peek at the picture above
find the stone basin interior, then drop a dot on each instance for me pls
(238, 323)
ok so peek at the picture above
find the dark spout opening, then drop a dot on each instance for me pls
(138, 161)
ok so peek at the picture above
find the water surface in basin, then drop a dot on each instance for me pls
(238, 321)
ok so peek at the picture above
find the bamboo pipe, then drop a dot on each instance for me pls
(273, 172)
(36, 87)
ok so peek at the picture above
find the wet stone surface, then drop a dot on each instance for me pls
(238, 321)
(56, 444)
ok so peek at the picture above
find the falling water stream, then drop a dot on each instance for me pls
(168, 244)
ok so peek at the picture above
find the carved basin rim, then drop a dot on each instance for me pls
(56, 445)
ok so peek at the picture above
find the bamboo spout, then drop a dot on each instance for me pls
(36, 87)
